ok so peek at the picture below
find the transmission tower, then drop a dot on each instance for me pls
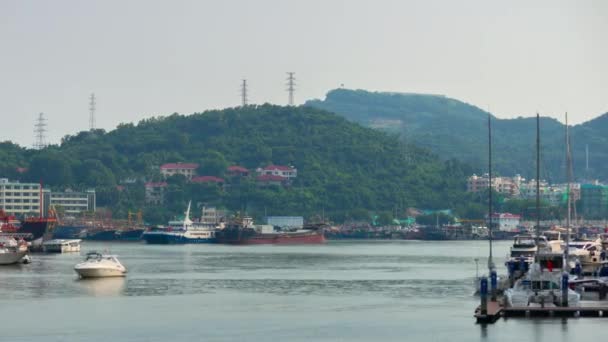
(92, 112)
(244, 93)
(291, 86)
(40, 132)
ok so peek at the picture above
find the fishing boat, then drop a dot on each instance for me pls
(97, 265)
(242, 231)
(182, 232)
(12, 251)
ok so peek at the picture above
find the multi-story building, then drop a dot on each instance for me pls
(155, 192)
(73, 202)
(505, 185)
(594, 201)
(20, 198)
(188, 170)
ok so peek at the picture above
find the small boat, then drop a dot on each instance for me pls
(12, 251)
(97, 265)
(589, 254)
(61, 246)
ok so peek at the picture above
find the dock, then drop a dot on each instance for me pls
(495, 311)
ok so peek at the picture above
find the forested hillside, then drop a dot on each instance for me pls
(344, 169)
(454, 129)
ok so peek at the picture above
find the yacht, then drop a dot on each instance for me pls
(589, 254)
(98, 265)
(61, 246)
(542, 285)
(12, 251)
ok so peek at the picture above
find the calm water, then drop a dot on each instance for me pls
(350, 291)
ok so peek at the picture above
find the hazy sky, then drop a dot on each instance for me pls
(149, 58)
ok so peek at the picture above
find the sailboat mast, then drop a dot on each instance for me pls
(569, 186)
(490, 260)
(537, 177)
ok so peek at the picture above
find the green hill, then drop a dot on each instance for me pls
(344, 169)
(454, 129)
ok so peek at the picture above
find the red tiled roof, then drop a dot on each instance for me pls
(278, 167)
(21, 169)
(207, 179)
(155, 184)
(171, 166)
(236, 168)
(270, 178)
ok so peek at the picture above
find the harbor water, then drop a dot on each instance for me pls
(341, 291)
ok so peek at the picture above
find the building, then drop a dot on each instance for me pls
(508, 186)
(208, 179)
(505, 222)
(272, 180)
(155, 192)
(288, 172)
(285, 221)
(73, 202)
(594, 201)
(237, 171)
(188, 170)
(20, 198)
(212, 215)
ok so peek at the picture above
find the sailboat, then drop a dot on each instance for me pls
(543, 283)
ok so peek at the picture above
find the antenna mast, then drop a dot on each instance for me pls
(569, 172)
(244, 93)
(291, 87)
(92, 105)
(40, 132)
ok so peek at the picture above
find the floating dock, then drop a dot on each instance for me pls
(586, 309)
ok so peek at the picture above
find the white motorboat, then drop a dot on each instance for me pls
(12, 251)
(61, 246)
(542, 285)
(97, 265)
(587, 253)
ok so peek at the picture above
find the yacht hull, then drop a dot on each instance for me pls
(12, 257)
(99, 272)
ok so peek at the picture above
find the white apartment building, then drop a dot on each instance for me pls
(73, 202)
(20, 198)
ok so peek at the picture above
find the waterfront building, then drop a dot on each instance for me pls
(72, 202)
(505, 222)
(594, 201)
(188, 170)
(20, 198)
(155, 192)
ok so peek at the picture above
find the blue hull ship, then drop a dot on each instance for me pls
(181, 232)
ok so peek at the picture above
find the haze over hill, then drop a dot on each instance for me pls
(454, 129)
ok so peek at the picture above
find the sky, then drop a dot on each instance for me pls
(150, 58)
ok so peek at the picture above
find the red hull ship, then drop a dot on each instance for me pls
(242, 232)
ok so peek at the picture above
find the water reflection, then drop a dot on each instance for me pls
(103, 287)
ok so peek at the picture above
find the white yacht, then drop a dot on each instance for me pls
(98, 265)
(61, 246)
(12, 251)
(542, 284)
(587, 253)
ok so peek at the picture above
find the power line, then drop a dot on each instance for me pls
(40, 132)
(92, 106)
(291, 87)
(244, 98)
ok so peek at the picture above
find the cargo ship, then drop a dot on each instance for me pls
(242, 231)
(32, 229)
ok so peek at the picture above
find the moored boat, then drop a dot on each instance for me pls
(12, 251)
(61, 246)
(182, 232)
(242, 231)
